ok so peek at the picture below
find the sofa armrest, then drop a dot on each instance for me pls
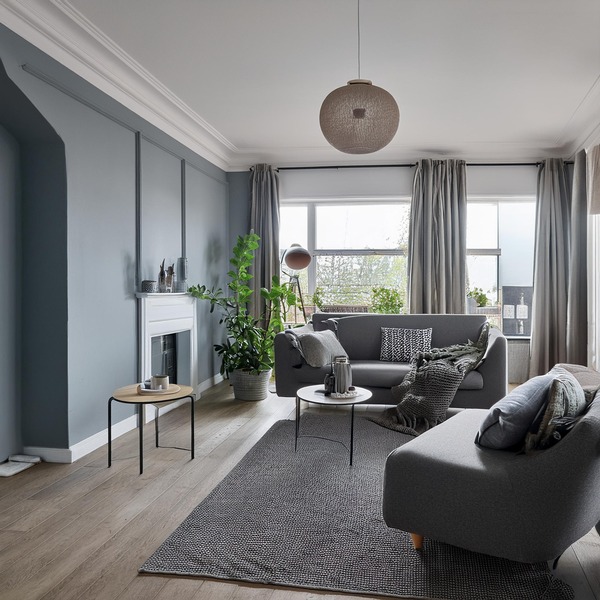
(494, 368)
(287, 362)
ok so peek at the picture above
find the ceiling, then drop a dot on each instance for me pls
(242, 81)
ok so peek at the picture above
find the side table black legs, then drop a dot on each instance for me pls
(110, 431)
(129, 395)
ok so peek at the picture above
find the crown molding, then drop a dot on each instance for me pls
(585, 120)
(62, 32)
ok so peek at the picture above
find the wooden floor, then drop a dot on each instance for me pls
(80, 531)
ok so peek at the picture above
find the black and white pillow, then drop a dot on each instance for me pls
(400, 345)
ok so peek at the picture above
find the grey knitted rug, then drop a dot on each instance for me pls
(309, 520)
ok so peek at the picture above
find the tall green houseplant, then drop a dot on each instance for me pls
(249, 344)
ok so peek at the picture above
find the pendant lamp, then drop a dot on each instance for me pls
(359, 118)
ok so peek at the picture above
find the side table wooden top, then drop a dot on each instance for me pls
(129, 394)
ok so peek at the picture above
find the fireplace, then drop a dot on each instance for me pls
(168, 337)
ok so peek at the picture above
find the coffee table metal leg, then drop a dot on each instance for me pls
(141, 427)
(351, 435)
(297, 422)
(110, 431)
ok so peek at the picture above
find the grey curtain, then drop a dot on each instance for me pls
(437, 240)
(577, 300)
(559, 320)
(264, 221)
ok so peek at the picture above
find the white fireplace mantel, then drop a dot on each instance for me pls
(163, 314)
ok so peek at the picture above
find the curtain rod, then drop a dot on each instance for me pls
(343, 167)
(515, 164)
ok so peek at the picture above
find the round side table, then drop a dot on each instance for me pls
(130, 395)
(315, 394)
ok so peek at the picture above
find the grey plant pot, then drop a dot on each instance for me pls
(250, 387)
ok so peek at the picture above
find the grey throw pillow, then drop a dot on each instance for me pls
(507, 422)
(566, 400)
(400, 345)
(318, 348)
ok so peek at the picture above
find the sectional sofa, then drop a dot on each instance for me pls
(360, 337)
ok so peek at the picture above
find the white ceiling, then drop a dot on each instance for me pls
(242, 81)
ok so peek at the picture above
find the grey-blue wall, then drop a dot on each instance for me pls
(10, 194)
(239, 199)
(89, 228)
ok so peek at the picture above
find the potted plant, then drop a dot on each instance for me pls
(247, 356)
(479, 296)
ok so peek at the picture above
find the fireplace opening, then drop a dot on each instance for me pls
(170, 356)
(164, 356)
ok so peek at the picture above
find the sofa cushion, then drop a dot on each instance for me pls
(566, 401)
(400, 345)
(507, 422)
(318, 348)
(473, 381)
(376, 373)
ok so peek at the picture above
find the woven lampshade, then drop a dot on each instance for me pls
(359, 118)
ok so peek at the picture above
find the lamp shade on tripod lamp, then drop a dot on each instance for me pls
(296, 257)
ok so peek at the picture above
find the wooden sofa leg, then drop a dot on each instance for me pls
(417, 541)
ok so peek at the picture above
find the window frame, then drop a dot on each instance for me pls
(311, 205)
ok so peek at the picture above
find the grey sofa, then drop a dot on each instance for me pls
(528, 508)
(360, 335)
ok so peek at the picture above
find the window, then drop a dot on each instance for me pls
(356, 246)
(500, 246)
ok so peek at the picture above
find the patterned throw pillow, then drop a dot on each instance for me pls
(566, 401)
(400, 345)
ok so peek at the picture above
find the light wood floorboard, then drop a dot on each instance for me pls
(81, 531)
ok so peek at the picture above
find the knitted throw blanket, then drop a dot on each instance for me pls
(426, 392)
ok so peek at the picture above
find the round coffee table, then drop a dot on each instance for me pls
(315, 394)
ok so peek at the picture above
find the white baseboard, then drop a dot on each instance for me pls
(81, 449)
(99, 439)
(53, 455)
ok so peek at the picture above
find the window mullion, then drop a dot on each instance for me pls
(311, 242)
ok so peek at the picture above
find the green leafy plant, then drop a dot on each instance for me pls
(479, 296)
(250, 341)
(386, 300)
(317, 298)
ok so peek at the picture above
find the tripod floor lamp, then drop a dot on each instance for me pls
(297, 258)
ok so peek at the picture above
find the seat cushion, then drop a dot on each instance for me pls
(472, 381)
(376, 373)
